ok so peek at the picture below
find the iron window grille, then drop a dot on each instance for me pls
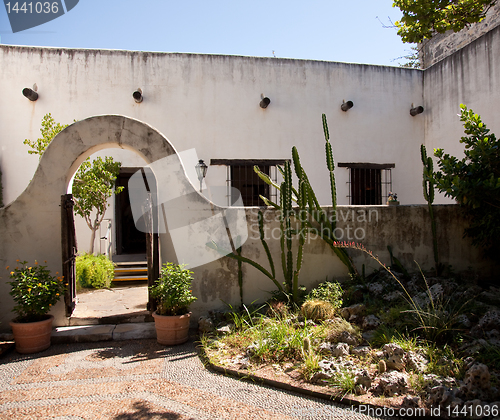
(241, 176)
(369, 183)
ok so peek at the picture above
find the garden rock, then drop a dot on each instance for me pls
(348, 338)
(371, 322)
(490, 321)
(464, 321)
(390, 297)
(325, 348)
(410, 402)
(360, 351)
(364, 379)
(352, 311)
(475, 408)
(415, 362)
(477, 381)
(395, 356)
(226, 329)
(376, 288)
(382, 367)
(340, 350)
(442, 396)
(392, 383)
(320, 376)
(205, 324)
(368, 335)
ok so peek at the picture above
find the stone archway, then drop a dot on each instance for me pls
(30, 227)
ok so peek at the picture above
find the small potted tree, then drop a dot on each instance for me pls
(35, 291)
(172, 292)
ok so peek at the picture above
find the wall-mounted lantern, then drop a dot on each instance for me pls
(417, 110)
(31, 93)
(265, 101)
(346, 106)
(138, 95)
(201, 170)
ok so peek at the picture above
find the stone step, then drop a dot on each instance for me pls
(105, 332)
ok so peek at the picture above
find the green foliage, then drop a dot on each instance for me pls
(444, 362)
(34, 290)
(345, 380)
(329, 292)
(95, 271)
(412, 59)
(338, 327)
(49, 130)
(474, 181)
(317, 310)
(173, 290)
(92, 186)
(310, 365)
(296, 223)
(422, 18)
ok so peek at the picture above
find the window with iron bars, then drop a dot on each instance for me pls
(369, 183)
(241, 176)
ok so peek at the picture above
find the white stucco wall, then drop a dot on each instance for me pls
(470, 76)
(211, 103)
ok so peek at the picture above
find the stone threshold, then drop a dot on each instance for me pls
(103, 332)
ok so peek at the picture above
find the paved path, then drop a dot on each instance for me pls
(139, 379)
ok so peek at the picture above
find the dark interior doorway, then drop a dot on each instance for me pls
(129, 240)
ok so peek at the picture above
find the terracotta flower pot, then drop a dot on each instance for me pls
(172, 330)
(32, 337)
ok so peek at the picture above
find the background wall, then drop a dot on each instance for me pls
(211, 103)
(470, 76)
(406, 229)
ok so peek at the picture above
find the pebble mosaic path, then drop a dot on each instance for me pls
(140, 379)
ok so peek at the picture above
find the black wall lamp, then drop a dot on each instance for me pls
(201, 170)
(346, 106)
(138, 95)
(31, 93)
(417, 110)
(264, 103)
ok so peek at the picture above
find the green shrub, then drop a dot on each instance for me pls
(95, 271)
(329, 292)
(317, 310)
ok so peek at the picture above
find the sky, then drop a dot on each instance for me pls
(332, 30)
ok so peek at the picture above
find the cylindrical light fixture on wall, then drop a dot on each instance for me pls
(417, 110)
(346, 106)
(31, 93)
(265, 101)
(138, 95)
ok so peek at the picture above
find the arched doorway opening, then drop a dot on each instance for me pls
(126, 246)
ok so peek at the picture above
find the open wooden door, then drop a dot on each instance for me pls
(69, 249)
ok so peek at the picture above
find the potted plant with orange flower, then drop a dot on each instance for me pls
(35, 290)
(172, 292)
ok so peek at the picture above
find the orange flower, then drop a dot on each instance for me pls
(29, 268)
(17, 260)
(39, 284)
(45, 261)
(11, 273)
(36, 262)
(7, 267)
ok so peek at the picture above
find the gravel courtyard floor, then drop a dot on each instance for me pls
(140, 379)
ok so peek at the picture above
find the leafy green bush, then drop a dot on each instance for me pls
(173, 290)
(474, 181)
(34, 290)
(95, 271)
(329, 292)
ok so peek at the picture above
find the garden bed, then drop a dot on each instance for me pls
(436, 348)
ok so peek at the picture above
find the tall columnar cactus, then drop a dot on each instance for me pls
(428, 187)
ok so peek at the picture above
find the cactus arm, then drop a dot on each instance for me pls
(264, 244)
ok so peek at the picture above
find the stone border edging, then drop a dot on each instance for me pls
(287, 387)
